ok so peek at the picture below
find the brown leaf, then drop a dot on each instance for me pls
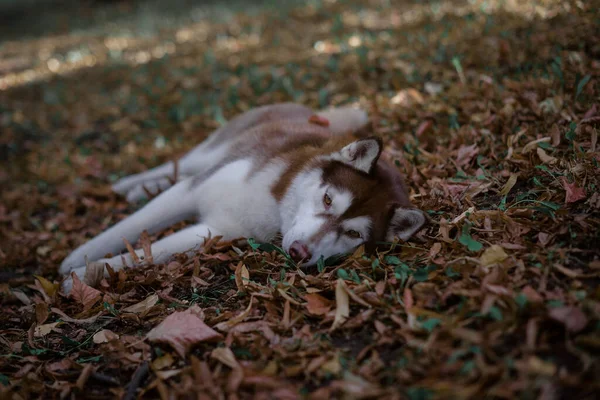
(555, 134)
(466, 154)
(182, 330)
(143, 306)
(226, 325)
(317, 304)
(41, 313)
(94, 273)
(84, 294)
(104, 336)
(342, 302)
(572, 317)
(43, 330)
(145, 242)
(544, 157)
(66, 318)
(573, 192)
(242, 276)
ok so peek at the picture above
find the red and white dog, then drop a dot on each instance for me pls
(276, 169)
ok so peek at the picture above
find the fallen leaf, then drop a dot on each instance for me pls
(573, 192)
(466, 154)
(534, 144)
(94, 273)
(509, 184)
(143, 306)
(342, 303)
(543, 239)
(84, 321)
(493, 255)
(317, 304)
(104, 336)
(555, 134)
(41, 313)
(544, 157)
(226, 356)
(163, 362)
(49, 287)
(242, 277)
(182, 330)
(572, 317)
(22, 297)
(226, 325)
(43, 330)
(84, 294)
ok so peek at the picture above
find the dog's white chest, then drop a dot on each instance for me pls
(237, 201)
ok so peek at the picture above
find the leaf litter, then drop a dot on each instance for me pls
(489, 108)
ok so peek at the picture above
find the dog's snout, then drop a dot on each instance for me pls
(299, 251)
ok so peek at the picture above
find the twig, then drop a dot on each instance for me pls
(139, 375)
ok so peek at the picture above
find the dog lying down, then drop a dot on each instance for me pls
(275, 169)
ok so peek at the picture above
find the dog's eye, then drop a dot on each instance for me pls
(327, 200)
(353, 234)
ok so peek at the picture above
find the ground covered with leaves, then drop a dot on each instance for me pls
(490, 108)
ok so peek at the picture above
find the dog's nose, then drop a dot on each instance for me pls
(299, 251)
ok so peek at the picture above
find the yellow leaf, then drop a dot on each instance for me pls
(509, 184)
(49, 287)
(493, 255)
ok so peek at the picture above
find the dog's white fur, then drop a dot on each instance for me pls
(235, 198)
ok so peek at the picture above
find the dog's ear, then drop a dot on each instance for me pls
(404, 223)
(362, 154)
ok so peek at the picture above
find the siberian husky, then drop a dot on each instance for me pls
(275, 169)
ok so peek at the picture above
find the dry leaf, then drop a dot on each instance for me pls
(182, 330)
(342, 304)
(163, 362)
(43, 330)
(104, 336)
(544, 157)
(226, 325)
(145, 242)
(509, 184)
(22, 297)
(573, 192)
(41, 313)
(572, 317)
(94, 273)
(534, 144)
(84, 294)
(84, 321)
(49, 287)
(493, 255)
(317, 304)
(242, 277)
(143, 306)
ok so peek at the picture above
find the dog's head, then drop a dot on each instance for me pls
(346, 199)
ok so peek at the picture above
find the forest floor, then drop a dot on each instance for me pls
(490, 108)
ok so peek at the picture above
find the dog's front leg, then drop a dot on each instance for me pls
(187, 240)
